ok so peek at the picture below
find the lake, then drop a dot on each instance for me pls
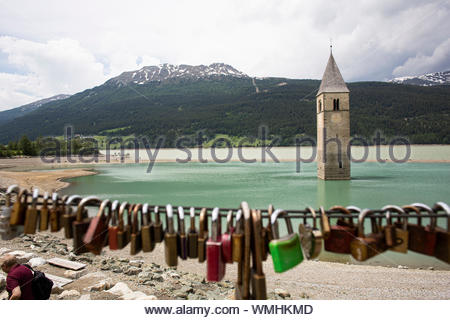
(373, 185)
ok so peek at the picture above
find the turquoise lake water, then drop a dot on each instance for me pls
(373, 185)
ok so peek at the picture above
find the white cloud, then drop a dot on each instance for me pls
(439, 60)
(95, 40)
(57, 66)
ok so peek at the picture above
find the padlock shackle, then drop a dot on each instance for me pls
(73, 200)
(45, 200)
(314, 216)
(274, 223)
(390, 208)
(410, 208)
(364, 213)
(124, 206)
(91, 200)
(169, 213)
(157, 216)
(443, 206)
(345, 211)
(238, 224)
(215, 225)
(257, 229)
(105, 204)
(192, 221)
(146, 217)
(229, 221)
(181, 228)
(353, 209)
(35, 197)
(135, 222)
(114, 212)
(203, 223)
(11, 189)
(427, 209)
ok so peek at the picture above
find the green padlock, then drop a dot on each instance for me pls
(286, 252)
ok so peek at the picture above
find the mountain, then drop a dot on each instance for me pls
(229, 102)
(11, 114)
(166, 71)
(429, 79)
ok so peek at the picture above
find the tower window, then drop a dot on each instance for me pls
(340, 164)
(335, 104)
(320, 105)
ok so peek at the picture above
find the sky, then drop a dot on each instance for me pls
(50, 47)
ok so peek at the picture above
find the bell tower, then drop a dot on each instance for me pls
(333, 125)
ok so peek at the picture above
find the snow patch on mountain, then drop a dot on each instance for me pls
(166, 71)
(429, 79)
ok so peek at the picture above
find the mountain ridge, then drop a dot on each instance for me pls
(428, 79)
(167, 71)
(17, 112)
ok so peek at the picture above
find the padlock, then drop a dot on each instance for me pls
(341, 234)
(81, 223)
(159, 230)
(181, 235)
(364, 246)
(122, 229)
(286, 252)
(147, 230)
(97, 232)
(442, 250)
(170, 240)
(430, 230)
(266, 234)
(31, 215)
(192, 237)
(227, 243)
(258, 279)
(202, 235)
(396, 236)
(114, 227)
(8, 232)
(19, 209)
(237, 237)
(135, 239)
(242, 287)
(215, 265)
(311, 238)
(69, 215)
(44, 214)
(54, 213)
(421, 239)
(62, 210)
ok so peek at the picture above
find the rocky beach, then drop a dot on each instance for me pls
(118, 275)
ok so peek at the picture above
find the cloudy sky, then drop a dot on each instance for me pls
(49, 47)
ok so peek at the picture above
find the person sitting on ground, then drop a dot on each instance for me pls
(18, 281)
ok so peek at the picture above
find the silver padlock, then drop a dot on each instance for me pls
(6, 231)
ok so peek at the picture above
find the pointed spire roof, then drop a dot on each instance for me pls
(332, 80)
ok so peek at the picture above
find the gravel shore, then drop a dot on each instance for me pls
(146, 273)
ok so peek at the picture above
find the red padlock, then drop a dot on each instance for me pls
(215, 264)
(114, 228)
(430, 230)
(227, 244)
(341, 234)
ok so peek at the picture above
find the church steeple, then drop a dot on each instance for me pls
(333, 125)
(332, 80)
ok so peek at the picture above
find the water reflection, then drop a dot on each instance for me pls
(330, 193)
